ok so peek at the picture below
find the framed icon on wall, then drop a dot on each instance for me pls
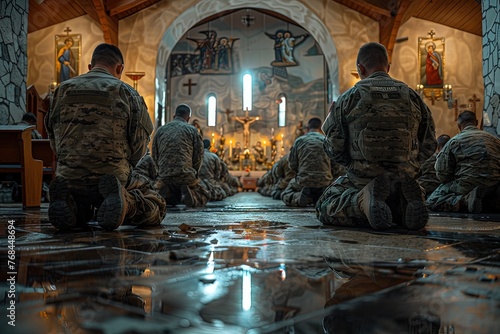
(67, 56)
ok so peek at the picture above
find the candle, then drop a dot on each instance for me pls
(213, 139)
(230, 148)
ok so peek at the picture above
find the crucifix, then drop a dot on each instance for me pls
(189, 85)
(67, 30)
(247, 19)
(473, 100)
(246, 121)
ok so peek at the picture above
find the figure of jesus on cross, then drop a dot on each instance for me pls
(246, 121)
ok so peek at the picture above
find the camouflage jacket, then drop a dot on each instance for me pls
(97, 125)
(419, 130)
(309, 161)
(427, 176)
(178, 152)
(471, 158)
(211, 168)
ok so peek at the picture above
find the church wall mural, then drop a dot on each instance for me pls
(144, 45)
(283, 60)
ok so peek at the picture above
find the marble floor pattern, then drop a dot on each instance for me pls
(249, 264)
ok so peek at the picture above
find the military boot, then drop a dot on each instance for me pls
(62, 208)
(474, 200)
(304, 197)
(115, 205)
(187, 196)
(415, 213)
(371, 201)
(491, 200)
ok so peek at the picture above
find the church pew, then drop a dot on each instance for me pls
(16, 157)
(42, 151)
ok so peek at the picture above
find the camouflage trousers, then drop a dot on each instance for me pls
(338, 205)
(217, 192)
(452, 197)
(148, 207)
(292, 194)
(171, 190)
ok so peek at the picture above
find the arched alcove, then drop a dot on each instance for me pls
(294, 10)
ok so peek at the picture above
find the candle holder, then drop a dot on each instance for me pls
(135, 77)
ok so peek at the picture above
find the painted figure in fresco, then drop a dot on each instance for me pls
(66, 62)
(299, 130)
(284, 44)
(433, 65)
(278, 39)
(214, 53)
(196, 124)
(223, 54)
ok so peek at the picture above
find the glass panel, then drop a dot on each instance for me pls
(247, 92)
(282, 111)
(212, 110)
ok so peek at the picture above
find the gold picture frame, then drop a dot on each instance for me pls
(431, 64)
(68, 53)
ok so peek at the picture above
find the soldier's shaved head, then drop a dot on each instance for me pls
(106, 54)
(466, 118)
(183, 110)
(373, 55)
(314, 123)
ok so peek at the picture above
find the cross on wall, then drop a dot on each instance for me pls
(189, 84)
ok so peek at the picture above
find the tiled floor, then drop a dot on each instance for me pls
(249, 264)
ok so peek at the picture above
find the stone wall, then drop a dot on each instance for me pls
(13, 56)
(491, 69)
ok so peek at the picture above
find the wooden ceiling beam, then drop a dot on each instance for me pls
(119, 6)
(109, 24)
(88, 7)
(372, 8)
(388, 28)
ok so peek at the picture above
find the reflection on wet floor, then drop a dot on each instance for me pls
(251, 265)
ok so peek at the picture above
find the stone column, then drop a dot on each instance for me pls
(13, 59)
(491, 66)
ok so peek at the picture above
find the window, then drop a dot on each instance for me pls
(281, 110)
(212, 110)
(247, 92)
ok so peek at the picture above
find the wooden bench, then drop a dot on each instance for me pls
(42, 151)
(16, 157)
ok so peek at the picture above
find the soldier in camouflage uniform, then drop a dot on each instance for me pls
(266, 182)
(178, 153)
(210, 173)
(427, 176)
(311, 165)
(99, 128)
(469, 169)
(282, 176)
(381, 132)
(147, 167)
(231, 183)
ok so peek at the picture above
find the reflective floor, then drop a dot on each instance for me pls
(249, 264)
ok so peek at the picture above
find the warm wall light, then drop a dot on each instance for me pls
(436, 94)
(135, 77)
(448, 96)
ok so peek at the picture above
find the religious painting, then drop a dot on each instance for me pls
(67, 56)
(213, 55)
(431, 62)
(284, 44)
